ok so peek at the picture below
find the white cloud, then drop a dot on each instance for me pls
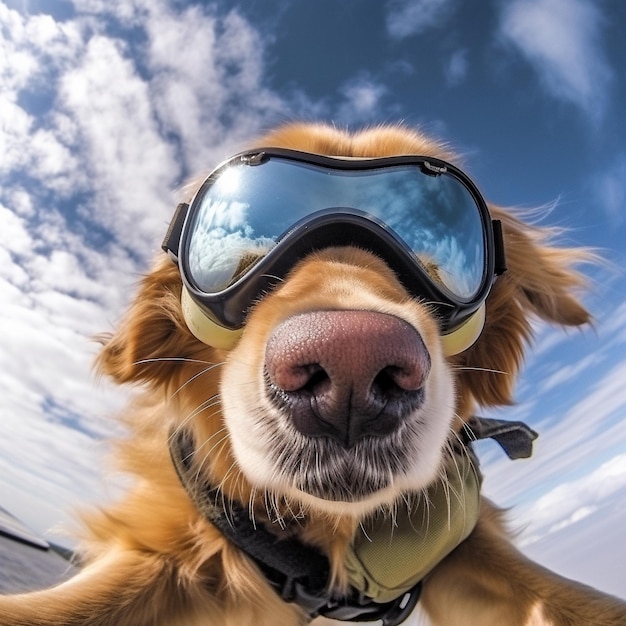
(131, 167)
(572, 501)
(613, 329)
(412, 17)
(88, 182)
(568, 488)
(15, 233)
(129, 12)
(609, 187)
(562, 40)
(15, 124)
(456, 68)
(46, 360)
(567, 372)
(589, 550)
(15, 75)
(362, 99)
(208, 82)
(577, 466)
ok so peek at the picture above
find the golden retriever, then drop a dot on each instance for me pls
(158, 558)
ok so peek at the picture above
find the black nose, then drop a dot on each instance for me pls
(346, 374)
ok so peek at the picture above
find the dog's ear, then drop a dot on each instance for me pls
(153, 337)
(543, 275)
(540, 281)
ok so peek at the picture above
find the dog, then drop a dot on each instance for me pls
(308, 399)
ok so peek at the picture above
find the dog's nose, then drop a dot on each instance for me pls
(346, 374)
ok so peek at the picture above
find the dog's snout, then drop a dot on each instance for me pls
(346, 374)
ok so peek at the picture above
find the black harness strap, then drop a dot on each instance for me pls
(515, 438)
(285, 558)
(300, 572)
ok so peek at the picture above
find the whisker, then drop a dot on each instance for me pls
(274, 277)
(445, 484)
(196, 376)
(272, 508)
(426, 514)
(296, 516)
(228, 510)
(175, 359)
(465, 368)
(201, 465)
(364, 531)
(459, 495)
(209, 403)
(466, 429)
(209, 367)
(437, 303)
(251, 507)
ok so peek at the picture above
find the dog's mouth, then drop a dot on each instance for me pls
(323, 468)
(348, 385)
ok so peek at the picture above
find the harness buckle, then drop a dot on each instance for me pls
(357, 607)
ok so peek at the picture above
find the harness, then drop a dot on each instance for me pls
(388, 557)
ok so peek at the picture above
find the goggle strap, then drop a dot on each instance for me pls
(216, 336)
(204, 328)
(465, 335)
(498, 248)
(171, 241)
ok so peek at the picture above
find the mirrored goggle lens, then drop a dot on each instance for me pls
(243, 210)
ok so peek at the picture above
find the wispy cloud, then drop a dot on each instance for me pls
(609, 187)
(568, 488)
(361, 100)
(587, 549)
(456, 68)
(563, 41)
(572, 501)
(96, 132)
(568, 372)
(614, 327)
(412, 17)
(581, 430)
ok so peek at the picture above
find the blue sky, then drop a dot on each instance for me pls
(107, 106)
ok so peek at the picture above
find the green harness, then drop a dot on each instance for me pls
(390, 554)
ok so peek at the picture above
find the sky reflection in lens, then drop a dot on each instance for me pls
(247, 208)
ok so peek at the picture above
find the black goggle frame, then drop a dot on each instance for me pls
(229, 306)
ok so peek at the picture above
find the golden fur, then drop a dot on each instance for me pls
(152, 559)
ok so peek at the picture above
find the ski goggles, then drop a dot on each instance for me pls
(262, 211)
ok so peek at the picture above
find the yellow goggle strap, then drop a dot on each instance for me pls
(465, 335)
(205, 329)
(212, 334)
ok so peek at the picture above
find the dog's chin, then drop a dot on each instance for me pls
(338, 499)
(324, 469)
(356, 489)
(319, 474)
(365, 487)
(350, 506)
